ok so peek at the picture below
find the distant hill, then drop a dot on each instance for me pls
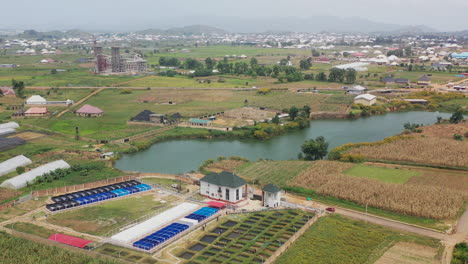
(33, 34)
(411, 30)
(188, 30)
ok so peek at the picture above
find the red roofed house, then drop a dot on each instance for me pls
(8, 91)
(89, 111)
(36, 111)
(358, 54)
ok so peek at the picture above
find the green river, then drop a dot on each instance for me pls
(179, 156)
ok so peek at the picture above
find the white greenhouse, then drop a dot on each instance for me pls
(162, 219)
(13, 125)
(7, 131)
(10, 165)
(21, 181)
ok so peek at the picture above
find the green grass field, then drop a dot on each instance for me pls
(189, 103)
(32, 229)
(336, 239)
(19, 250)
(104, 217)
(382, 174)
(276, 172)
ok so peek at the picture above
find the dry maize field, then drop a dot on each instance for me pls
(421, 150)
(430, 201)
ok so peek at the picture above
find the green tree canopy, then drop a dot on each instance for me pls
(314, 149)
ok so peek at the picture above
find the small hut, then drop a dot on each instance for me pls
(271, 195)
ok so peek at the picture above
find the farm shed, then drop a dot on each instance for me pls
(7, 131)
(11, 164)
(36, 111)
(224, 186)
(21, 181)
(143, 116)
(154, 223)
(9, 125)
(89, 111)
(199, 122)
(365, 99)
(70, 240)
(36, 100)
(356, 89)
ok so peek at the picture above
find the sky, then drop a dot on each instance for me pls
(446, 15)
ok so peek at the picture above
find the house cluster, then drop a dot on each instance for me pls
(39, 100)
(230, 188)
(150, 117)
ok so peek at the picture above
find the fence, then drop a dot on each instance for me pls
(79, 187)
(291, 240)
(22, 199)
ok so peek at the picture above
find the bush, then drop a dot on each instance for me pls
(126, 91)
(458, 137)
(20, 170)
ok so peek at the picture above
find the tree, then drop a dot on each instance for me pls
(192, 64)
(293, 111)
(457, 117)
(275, 120)
(18, 87)
(306, 109)
(253, 62)
(305, 64)
(210, 63)
(336, 75)
(350, 76)
(315, 149)
(284, 62)
(322, 77)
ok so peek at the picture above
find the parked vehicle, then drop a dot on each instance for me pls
(330, 210)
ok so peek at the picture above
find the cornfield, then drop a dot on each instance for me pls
(423, 150)
(436, 202)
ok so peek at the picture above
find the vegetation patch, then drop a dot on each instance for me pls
(382, 174)
(278, 172)
(18, 250)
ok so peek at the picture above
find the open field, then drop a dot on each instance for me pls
(276, 172)
(104, 217)
(336, 239)
(19, 250)
(382, 174)
(327, 178)
(167, 183)
(252, 240)
(189, 103)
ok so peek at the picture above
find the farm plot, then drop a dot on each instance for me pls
(382, 174)
(252, 240)
(102, 218)
(434, 147)
(276, 172)
(126, 254)
(336, 239)
(327, 178)
(409, 253)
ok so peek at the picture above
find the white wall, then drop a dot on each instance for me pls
(271, 199)
(211, 191)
